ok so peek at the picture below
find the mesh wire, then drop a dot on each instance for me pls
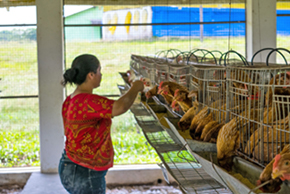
(178, 161)
(19, 115)
(114, 32)
(260, 106)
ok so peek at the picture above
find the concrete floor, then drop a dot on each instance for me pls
(135, 175)
(44, 184)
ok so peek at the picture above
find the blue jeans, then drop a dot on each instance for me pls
(77, 179)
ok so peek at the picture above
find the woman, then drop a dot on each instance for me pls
(87, 121)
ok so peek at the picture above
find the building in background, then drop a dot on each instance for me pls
(175, 16)
(128, 16)
(91, 15)
(161, 14)
(195, 15)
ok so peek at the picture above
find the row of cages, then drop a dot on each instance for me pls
(255, 97)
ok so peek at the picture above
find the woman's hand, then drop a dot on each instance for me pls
(139, 85)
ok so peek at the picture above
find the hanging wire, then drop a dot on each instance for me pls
(181, 157)
(229, 37)
(64, 39)
(155, 40)
(260, 46)
(189, 6)
(213, 166)
(167, 38)
(254, 189)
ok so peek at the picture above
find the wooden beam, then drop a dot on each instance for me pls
(12, 3)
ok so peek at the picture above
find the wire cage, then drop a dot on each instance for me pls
(134, 63)
(172, 66)
(145, 66)
(203, 56)
(280, 51)
(150, 69)
(162, 72)
(232, 58)
(142, 67)
(210, 86)
(183, 167)
(259, 102)
(179, 74)
(180, 59)
(167, 55)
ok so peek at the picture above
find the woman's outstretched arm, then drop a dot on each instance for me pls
(123, 104)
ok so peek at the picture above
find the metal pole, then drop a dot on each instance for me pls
(201, 20)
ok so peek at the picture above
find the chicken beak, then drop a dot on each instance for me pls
(276, 173)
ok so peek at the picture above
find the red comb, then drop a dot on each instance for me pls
(173, 104)
(165, 92)
(159, 88)
(176, 91)
(277, 158)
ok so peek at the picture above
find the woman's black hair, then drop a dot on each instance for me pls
(81, 66)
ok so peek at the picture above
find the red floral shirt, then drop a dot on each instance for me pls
(87, 123)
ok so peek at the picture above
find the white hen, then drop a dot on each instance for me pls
(147, 84)
(131, 75)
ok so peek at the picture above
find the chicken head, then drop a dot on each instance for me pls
(281, 167)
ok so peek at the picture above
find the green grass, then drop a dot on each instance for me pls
(19, 148)
(19, 114)
(19, 126)
(132, 148)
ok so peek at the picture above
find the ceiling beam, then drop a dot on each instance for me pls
(12, 3)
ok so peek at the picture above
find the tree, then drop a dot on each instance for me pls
(5, 35)
(30, 34)
(18, 34)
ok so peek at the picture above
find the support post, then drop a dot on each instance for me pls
(50, 56)
(261, 28)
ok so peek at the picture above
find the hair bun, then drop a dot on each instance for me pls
(81, 66)
(70, 75)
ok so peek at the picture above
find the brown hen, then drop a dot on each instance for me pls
(229, 139)
(207, 128)
(181, 98)
(202, 124)
(274, 185)
(185, 121)
(279, 79)
(167, 90)
(195, 121)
